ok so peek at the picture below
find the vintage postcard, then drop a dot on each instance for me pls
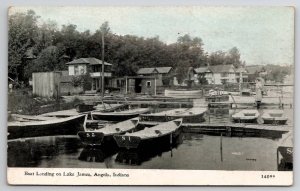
(182, 95)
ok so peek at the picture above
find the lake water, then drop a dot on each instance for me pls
(193, 151)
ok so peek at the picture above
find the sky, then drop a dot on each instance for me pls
(263, 35)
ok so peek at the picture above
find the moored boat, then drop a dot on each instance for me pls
(246, 116)
(274, 117)
(188, 115)
(164, 133)
(118, 115)
(105, 134)
(46, 127)
(84, 107)
(184, 93)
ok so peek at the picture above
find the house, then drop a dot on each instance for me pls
(93, 67)
(222, 74)
(241, 74)
(163, 74)
(204, 72)
(255, 71)
(147, 81)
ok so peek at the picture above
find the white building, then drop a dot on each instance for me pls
(93, 67)
(222, 74)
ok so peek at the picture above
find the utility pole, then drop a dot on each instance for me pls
(102, 75)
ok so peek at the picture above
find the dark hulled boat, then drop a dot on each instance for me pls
(164, 133)
(105, 134)
(188, 115)
(40, 126)
(118, 115)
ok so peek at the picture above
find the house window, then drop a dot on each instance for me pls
(224, 74)
(148, 83)
(76, 70)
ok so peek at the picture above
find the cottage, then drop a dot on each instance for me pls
(222, 74)
(163, 75)
(147, 81)
(93, 67)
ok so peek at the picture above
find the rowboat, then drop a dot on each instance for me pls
(24, 118)
(105, 134)
(285, 158)
(79, 110)
(188, 115)
(118, 115)
(38, 126)
(184, 93)
(162, 134)
(274, 117)
(246, 116)
(138, 156)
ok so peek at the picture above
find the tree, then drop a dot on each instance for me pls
(48, 60)
(233, 57)
(22, 33)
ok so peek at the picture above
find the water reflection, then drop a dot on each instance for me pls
(141, 155)
(30, 152)
(241, 150)
(96, 154)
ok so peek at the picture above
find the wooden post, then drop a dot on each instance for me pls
(277, 159)
(126, 84)
(221, 147)
(155, 86)
(102, 81)
(240, 84)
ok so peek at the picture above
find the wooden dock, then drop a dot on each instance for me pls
(234, 127)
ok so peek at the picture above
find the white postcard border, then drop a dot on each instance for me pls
(62, 176)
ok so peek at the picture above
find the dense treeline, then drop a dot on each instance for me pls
(39, 47)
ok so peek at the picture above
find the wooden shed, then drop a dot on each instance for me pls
(46, 84)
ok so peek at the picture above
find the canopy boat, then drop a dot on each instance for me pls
(246, 92)
(217, 95)
(35, 126)
(188, 115)
(274, 117)
(105, 135)
(246, 116)
(184, 93)
(162, 134)
(118, 115)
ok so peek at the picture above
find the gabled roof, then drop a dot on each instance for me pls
(202, 70)
(243, 70)
(159, 70)
(90, 61)
(254, 68)
(163, 70)
(221, 68)
(147, 71)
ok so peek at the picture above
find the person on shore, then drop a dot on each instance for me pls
(259, 92)
(10, 87)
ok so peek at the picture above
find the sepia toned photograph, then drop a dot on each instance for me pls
(112, 92)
